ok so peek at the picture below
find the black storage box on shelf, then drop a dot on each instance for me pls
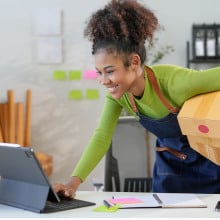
(206, 41)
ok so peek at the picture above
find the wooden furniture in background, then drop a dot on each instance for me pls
(27, 138)
(11, 116)
(15, 127)
(19, 124)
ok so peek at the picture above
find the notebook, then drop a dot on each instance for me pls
(24, 185)
(160, 200)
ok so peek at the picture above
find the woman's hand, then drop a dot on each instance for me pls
(69, 189)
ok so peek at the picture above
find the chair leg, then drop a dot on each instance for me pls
(138, 184)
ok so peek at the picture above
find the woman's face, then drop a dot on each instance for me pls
(117, 78)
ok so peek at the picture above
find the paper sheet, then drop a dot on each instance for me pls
(48, 21)
(49, 50)
(180, 200)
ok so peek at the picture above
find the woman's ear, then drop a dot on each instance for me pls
(135, 63)
(135, 60)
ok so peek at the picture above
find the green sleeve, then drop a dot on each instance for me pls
(180, 84)
(100, 141)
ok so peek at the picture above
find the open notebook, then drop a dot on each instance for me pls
(23, 183)
(160, 200)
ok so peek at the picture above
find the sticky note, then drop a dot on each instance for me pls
(92, 93)
(103, 208)
(125, 200)
(59, 75)
(75, 75)
(75, 94)
(90, 74)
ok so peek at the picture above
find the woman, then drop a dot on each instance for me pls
(154, 94)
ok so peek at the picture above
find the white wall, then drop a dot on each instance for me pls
(61, 127)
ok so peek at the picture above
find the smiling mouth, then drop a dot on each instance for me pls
(112, 89)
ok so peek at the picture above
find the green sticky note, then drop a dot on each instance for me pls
(103, 208)
(75, 94)
(92, 93)
(75, 74)
(59, 75)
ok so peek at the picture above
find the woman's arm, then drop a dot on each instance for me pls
(95, 150)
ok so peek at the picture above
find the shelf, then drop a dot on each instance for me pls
(208, 60)
(199, 60)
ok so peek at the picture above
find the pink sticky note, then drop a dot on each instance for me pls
(90, 74)
(125, 200)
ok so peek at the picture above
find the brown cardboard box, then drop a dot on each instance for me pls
(46, 162)
(199, 119)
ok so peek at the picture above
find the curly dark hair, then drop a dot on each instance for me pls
(122, 26)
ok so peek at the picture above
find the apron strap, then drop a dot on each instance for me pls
(154, 83)
(132, 102)
(172, 151)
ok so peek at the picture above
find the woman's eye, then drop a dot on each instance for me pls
(110, 71)
(99, 73)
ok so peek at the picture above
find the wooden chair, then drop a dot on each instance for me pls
(15, 126)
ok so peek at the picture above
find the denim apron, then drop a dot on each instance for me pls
(188, 172)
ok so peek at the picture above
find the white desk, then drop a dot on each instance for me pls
(97, 197)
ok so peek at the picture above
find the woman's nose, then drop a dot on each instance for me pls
(103, 79)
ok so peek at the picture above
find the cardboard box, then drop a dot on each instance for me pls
(46, 162)
(199, 119)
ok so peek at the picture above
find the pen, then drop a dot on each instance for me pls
(217, 207)
(106, 204)
(157, 198)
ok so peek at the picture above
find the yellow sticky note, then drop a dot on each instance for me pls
(59, 75)
(103, 208)
(75, 74)
(75, 94)
(92, 93)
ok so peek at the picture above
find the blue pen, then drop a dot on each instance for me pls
(107, 204)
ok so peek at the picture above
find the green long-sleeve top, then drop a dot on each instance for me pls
(176, 83)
